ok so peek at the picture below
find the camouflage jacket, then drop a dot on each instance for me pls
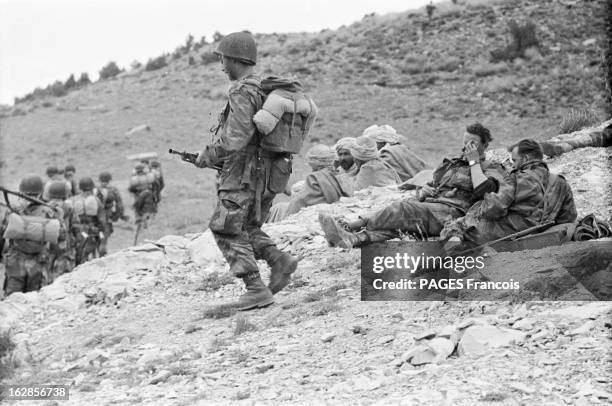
(235, 141)
(111, 202)
(453, 182)
(532, 193)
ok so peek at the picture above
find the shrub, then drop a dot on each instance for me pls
(243, 325)
(83, 80)
(57, 89)
(188, 43)
(156, 63)
(191, 61)
(70, 83)
(577, 119)
(522, 37)
(110, 70)
(217, 36)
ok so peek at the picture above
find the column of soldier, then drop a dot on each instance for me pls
(85, 213)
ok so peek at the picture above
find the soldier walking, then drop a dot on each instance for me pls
(63, 254)
(112, 205)
(249, 180)
(26, 260)
(93, 223)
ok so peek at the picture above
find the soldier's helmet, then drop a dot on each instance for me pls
(155, 164)
(31, 185)
(86, 184)
(240, 46)
(105, 177)
(52, 170)
(70, 168)
(139, 167)
(58, 190)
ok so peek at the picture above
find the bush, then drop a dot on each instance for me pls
(217, 36)
(70, 83)
(191, 61)
(110, 70)
(57, 89)
(156, 63)
(577, 119)
(522, 38)
(243, 325)
(83, 80)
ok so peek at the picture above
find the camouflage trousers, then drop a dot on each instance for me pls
(238, 233)
(421, 219)
(25, 272)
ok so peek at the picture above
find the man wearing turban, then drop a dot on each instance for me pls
(401, 158)
(323, 185)
(345, 162)
(372, 171)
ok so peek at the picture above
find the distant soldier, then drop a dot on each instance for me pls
(93, 222)
(53, 175)
(27, 260)
(159, 179)
(430, 8)
(63, 254)
(112, 204)
(141, 187)
(69, 173)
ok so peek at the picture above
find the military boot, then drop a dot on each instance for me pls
(257, 294)
(282, 265)
(337, 236)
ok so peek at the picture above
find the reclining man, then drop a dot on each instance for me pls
(401, 158)
(371, 170)
(323, 185)
(457, 184)
(530, 196)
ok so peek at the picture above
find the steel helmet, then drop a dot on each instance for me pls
(58, 190)
(240, 46)
(31, 185)
(52, 170)
(155, 164)
(86, 184)
(70, 168)
(105, 177)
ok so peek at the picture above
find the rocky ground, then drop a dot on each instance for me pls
(142, 326)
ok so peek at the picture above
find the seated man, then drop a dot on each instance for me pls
(530, 196)
(345, 162)
(401, 158)
(457, 184)
(322, 185)
(371, 170)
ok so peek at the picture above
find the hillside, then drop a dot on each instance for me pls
(139, 326)
(427, 79)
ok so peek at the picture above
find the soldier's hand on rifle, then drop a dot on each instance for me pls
(203, 159)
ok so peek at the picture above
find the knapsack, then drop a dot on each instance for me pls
(86, 205)
(287, 114)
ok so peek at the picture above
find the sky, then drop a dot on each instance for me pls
(42, 41)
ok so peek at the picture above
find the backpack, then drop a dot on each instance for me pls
(86, 205)
(287, 114)
(31, 228)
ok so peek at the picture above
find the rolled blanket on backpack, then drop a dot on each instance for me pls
(32, 228)
(279, 102)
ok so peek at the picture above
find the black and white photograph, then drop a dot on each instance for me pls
(367, 202)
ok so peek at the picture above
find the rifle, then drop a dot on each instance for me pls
(190, 157)
(512, 237)
(7, 192)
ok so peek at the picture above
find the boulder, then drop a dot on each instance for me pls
(479, 339)
(203, 250)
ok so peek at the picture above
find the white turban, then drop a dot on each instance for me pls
(364, 149)
(344, 143)
(382, 133)
(320, 155)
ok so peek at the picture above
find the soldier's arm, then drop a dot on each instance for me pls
(568, 213)
(239, 128)
(495, 205)
(100, 215)
(118, 201)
